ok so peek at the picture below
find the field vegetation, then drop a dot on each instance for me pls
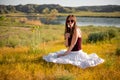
(22, 46)
(79, 13)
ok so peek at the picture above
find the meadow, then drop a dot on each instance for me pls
(79, 13)
(22, 46)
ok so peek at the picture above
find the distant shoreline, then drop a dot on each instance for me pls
(79, 14)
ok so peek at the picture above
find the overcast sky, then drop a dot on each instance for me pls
(71, 3)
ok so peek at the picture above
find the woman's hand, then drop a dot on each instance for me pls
(67, 35)
(66, 53)
(59, 55)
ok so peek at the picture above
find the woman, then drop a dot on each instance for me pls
(74, 54)
(72, 35)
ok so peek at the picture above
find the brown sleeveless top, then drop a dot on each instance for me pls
(77, 46)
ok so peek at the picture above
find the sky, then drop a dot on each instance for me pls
(70, 3)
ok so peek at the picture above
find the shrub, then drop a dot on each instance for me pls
(111, 33)
(118, 52)
(67, 77)
(2, 43)
(2, 18)
(100, 36)
(94, 37)
(12, 41)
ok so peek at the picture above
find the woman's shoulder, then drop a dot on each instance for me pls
(78, 29)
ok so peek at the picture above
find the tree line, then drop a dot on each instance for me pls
(34, 8)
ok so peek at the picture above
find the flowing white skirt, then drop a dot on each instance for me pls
(77, 58)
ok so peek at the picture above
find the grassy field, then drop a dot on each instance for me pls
(22, 47)
(93, 14)
(80, 13)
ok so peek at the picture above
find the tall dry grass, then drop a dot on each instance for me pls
(18, 63)
(26, 63)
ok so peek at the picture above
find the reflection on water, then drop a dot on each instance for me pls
(84, 21)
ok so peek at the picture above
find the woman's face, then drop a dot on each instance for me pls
(70, 22)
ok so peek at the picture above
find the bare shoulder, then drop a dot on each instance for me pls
(78, 31)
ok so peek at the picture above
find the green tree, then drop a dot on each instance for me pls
(11, 8)
(30, 9)
(46, 12)
(53, 14)
(50, 14)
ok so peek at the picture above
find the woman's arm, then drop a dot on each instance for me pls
(67, 35)
(73, 42)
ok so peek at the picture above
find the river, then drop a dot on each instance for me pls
(85, 21)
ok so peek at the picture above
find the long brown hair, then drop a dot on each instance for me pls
(67, 29)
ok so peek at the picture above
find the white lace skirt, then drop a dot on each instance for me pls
(77, 58)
